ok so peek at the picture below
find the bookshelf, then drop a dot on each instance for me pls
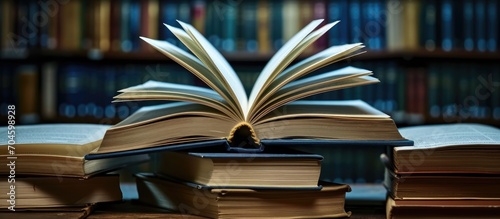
(78, 53)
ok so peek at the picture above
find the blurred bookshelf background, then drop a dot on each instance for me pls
(438, 60)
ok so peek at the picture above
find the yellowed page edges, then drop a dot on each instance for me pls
(242, 132)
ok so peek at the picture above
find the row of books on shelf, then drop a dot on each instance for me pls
(250, 26)
(446, 91)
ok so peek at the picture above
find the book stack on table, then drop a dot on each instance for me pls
(452, 171)
(46, 170)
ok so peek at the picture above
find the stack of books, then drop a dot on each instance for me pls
(235, 185)
(45, 169)
(249, 177)
(452, 171)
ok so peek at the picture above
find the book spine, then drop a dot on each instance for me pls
(492, 30)
(338, 11)
(291, 10)
(480, 31)
(115, 24)
(468, 28)
(134, 24)
(199, 15)
(249, 26)
(28, 98)
(428, 16)
(434, 110)
(229, 28)
(356, 33)
(447, 18)
(276, 25)
(264, 24)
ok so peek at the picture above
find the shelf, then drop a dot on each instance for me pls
(240, 57)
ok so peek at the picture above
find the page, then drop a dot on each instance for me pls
(77, 134)
(325, 57)
(218, 64)
(325, 82)
(330, 108)
(195, 66)
(279, 61)
(433, 136)
(150, 114)
(154, 90)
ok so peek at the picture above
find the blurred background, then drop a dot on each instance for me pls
(438, 60)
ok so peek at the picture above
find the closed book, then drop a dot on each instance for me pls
(235, 203)
(253, 170)
(56, 193)
(456, 209)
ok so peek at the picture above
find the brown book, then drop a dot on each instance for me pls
(264, 23)
(28, 98)
(58, 150)
(71, 37)
(236, 203)
(417, 186)
(449, 148)
(442, 209)
(47, 192)
(277, 169)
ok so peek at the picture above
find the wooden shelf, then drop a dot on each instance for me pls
(239, 57)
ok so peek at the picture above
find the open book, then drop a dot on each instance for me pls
(270, 111)
(448, 149)
(57, 150)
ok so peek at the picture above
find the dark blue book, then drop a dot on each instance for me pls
(447, 28)
(355, 23)
(168, 15)
(469, 23)
(492, 25)
(338, 11)
(248, 27)
(276, 24)
(428, 22)
(480, 25)
(125, 38)
(134, 22)
(229, 11)
(373, 28)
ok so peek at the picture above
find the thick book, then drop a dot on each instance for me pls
(440, 186)
(243, 170)
(52, 193)
(57, 150)
(271, 111)
(441, 209)
(189, 198)
(448, 149)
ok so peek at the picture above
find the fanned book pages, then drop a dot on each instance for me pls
(273, 109)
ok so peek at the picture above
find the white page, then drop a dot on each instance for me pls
(77, 134)
(278, 59)
(154, 90)
(304, 67)
(433, 136)
(328, 108)
(299, 92)
(195, 66)
(221, 65)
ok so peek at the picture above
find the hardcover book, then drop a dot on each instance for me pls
(57, 150)
(272, 111)
(328, 202)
